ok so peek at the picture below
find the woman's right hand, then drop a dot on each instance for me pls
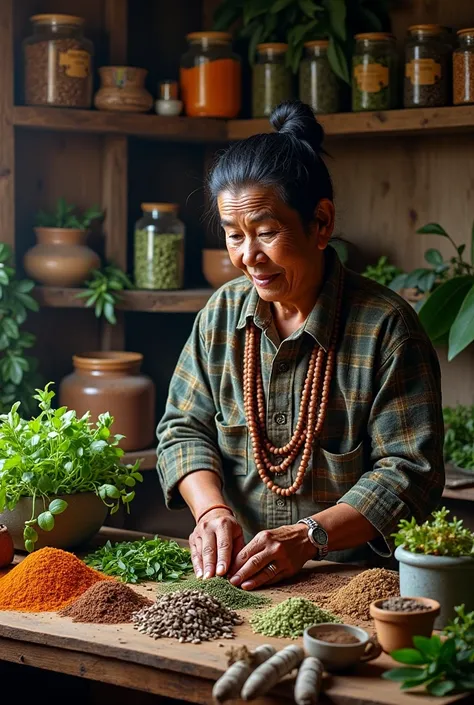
(215, 542)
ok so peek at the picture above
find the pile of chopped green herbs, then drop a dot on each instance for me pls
(290, 618)
(459, 436)
(146, 559)
(220, 588)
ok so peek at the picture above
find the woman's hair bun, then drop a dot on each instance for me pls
(296, 119)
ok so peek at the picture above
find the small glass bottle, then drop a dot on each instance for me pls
(426, 83)
(272, 79)
(168, 102)
(159, 247)
(374, 72)
(463, 68)
(319, 85)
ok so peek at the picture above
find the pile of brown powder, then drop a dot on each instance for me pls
(352, 601)
(106, 603)
(314, 586)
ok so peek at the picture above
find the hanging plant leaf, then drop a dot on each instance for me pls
(337, 60)
(440, 309)
(255, 8)
(254, 41)
(432, 229)
(280, 5)
(462, 331)
(337, 18)
(310, 8)
(434, 257)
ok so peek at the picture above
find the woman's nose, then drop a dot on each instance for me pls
(252, 254)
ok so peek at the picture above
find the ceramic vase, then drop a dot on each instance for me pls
(60, 257)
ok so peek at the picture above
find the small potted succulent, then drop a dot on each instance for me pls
(59, 475)
(437, 561)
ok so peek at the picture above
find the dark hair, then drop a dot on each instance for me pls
(289, 159)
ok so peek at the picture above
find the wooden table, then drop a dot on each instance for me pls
(120, 655)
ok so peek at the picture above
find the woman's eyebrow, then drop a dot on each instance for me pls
(255, 218)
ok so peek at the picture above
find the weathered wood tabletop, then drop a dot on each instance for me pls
(120, 655)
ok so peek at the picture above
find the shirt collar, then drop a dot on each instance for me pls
(320, 321)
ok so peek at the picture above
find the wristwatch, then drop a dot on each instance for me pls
(318, 537)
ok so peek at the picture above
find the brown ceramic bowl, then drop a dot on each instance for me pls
(395, 630)
(217, 267)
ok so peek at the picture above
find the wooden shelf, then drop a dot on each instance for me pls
(175, 129)
(148, 457)
(183, 301)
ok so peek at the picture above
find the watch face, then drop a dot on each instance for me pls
(320, 536)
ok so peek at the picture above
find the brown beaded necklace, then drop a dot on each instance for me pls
(310, 417)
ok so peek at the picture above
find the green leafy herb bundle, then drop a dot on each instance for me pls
(146, 559)
(383, 272)
(103, 291)
(57, 454)
(68, 216)
(442, 667)
(438, 537)
(459, 436)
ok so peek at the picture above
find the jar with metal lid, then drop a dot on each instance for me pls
(319, 86)
(58, 62)
(427, 52)
(463, 68)
(374, 72)
(159, 247)
(210, 76)
(271, 80)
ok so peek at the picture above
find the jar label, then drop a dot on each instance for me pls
(371, 78)
(423, 72)
(76, 61)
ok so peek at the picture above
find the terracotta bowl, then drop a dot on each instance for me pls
(217, 267)
(395, 630)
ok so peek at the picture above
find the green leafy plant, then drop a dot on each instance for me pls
(459, 436)
(298, 21)
(68, 215)
(145, 559)
(442, 667)
(438, 537)
(18, 372)
(383, 272)
(103, 291)
(57, 454)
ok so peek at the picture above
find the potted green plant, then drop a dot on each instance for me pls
(103, 291)
(61, 256)
(56, 462)
(437, 561)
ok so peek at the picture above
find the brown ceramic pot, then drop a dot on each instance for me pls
(123, 90)
(60, 257)
(111, 381)
(395, 630)
(217, 267)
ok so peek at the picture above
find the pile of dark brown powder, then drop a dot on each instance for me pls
(106, 603)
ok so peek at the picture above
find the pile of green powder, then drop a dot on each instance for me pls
(290, 618)
(222, 590)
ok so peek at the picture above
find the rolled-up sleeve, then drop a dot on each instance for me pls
(406, 431)
(187, 439)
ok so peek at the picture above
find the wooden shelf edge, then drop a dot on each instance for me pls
(147, 456)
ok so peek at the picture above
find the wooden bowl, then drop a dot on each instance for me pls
(217, 267)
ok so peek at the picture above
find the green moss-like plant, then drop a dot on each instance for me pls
(436, 537)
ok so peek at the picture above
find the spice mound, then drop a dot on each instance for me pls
(354, 599)
(106, 602)
(404, 604)
(222, 590)
(189, 616)
(337, 636)
(46, 581)
(290, 618)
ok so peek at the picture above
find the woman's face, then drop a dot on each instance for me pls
(266, 239)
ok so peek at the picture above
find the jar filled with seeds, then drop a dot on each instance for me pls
(58, 62)
(374, 72)
(426, 83)
(159, 247)
(463, 68)
(319, 85)
(271, 79)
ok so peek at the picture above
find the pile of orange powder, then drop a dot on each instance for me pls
(46, 581)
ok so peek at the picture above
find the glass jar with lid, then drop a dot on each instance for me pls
(319, 86)
(210, 76)
(427, 52)
(58, 62)
(271, 79)
(159, 247)
(374, 72)
(463, 68)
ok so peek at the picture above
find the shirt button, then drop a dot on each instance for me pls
(278, 460)
(283, 367)
(280, 502)
(280, 419)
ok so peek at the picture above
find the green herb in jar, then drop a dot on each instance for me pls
(271, 79)
(158, 260)
(426, 67)
(318, 84)
(374, 84)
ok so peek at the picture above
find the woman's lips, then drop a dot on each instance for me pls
(264, 280)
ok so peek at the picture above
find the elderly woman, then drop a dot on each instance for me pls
(304, 415)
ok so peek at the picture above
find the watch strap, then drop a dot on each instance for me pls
(312, 524)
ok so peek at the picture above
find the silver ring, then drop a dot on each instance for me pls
(272, 568)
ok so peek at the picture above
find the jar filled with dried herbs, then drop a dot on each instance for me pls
(427, 54)
(318, 84)
(271, 79)
(463, 68)
(374, 72)
(159, 247)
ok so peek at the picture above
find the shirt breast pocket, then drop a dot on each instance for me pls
(233, 444)
(335, 473)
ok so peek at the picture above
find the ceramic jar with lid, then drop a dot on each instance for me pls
(123, 90)
(271, 79)
(112, 381)
(463, 68)
(159, 247)
(427, 74)
(374, 74)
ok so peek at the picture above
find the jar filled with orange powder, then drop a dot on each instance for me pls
(210, 76)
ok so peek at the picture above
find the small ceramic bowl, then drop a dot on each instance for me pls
(217, 267)
(395, 630)
(337, 657)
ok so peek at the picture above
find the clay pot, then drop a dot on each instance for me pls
(111, 381)
(217, 267)
(123, 90)
(60, 257)
(395, 630)
(7, 550)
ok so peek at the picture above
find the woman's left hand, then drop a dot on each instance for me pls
(285, 550)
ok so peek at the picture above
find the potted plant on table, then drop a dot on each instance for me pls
(437, 561)
(56, 463)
